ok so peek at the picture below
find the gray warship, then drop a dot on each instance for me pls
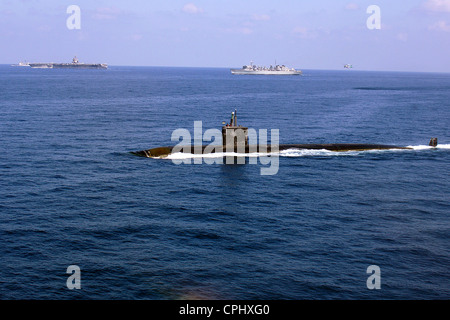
(75, 64)
(271, 70)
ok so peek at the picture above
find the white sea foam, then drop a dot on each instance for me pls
(181, 155)
(425, 147)
(313, 152)
(293, 153)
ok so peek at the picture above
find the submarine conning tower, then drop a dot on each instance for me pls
(234, 136)
(433, 142)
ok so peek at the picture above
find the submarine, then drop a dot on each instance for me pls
(235, 139)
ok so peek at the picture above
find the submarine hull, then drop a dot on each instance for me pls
(338, 147)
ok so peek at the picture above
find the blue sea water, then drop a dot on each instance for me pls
(141, 228)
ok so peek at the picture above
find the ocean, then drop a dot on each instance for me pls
(72, 194)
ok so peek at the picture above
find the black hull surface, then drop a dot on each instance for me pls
(338, 147)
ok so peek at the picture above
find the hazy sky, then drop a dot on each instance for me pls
(305, 34)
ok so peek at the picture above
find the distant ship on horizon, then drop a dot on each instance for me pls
(21, 64)
(272, 70)
(74, 65)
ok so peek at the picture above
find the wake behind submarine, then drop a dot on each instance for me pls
(235, 139)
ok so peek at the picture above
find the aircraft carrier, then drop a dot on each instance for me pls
(74, 65)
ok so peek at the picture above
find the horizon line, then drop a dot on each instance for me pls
(216, 67)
